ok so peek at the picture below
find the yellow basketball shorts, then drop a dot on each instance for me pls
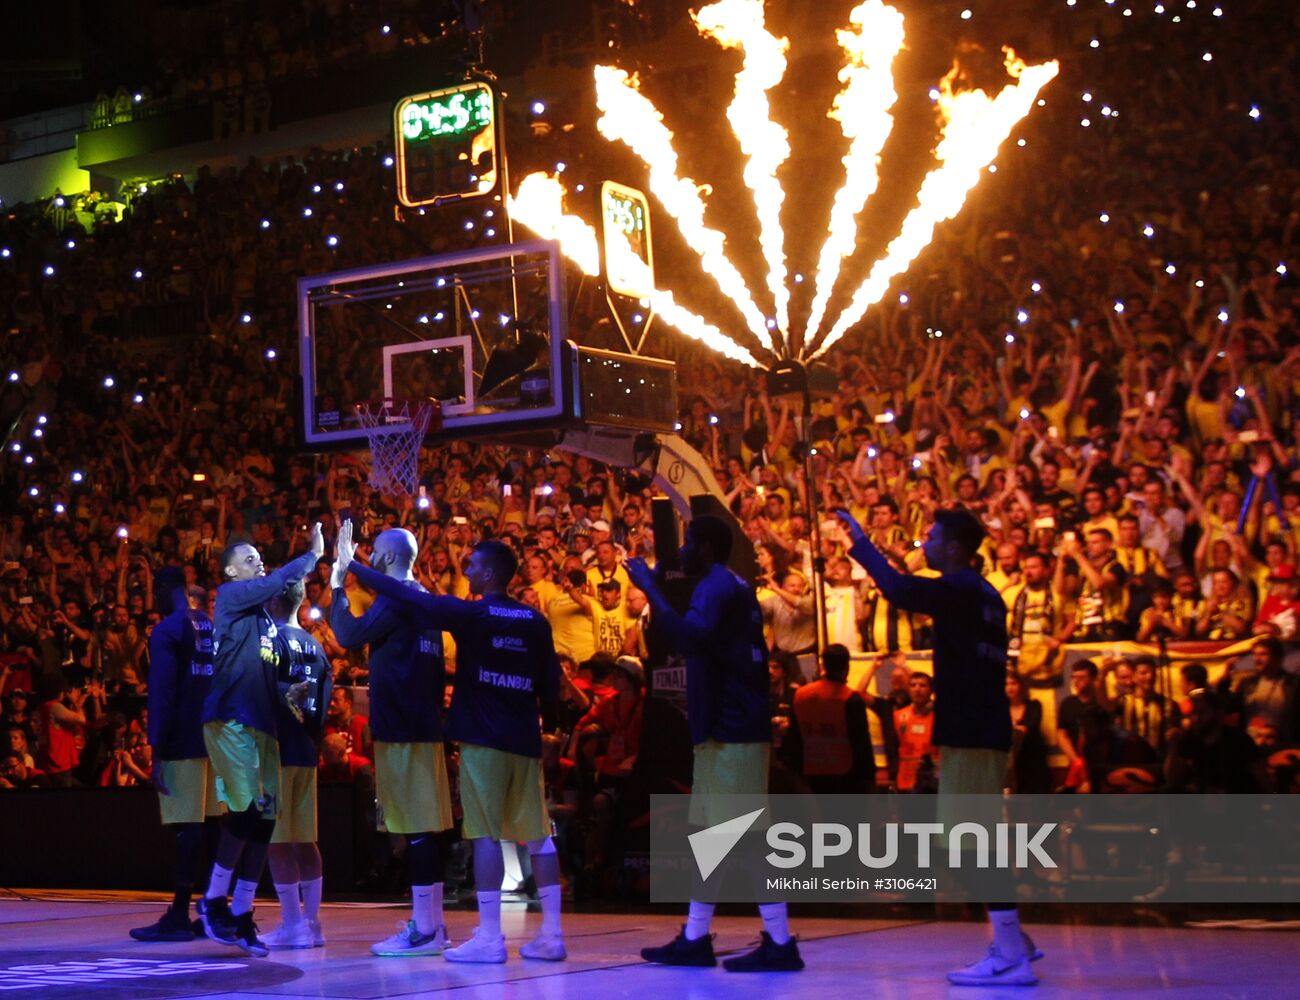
(967, 771)
(296, 823)
(247, 766)
(191, 790)
(412, 788)
(727, 769)
(503, 795)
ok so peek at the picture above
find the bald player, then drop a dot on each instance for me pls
(507, 674)
(407, 682)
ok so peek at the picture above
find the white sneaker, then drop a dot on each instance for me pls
(479, 948)
(545, 947)
(288, 936)
(408, 942)
(317, 934)
(995, 970)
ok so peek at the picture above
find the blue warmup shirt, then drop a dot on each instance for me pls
(301, 659)
(505, 663)
(180, 676)
(970, 648)
(408, 676)
(244, 682)
(721, 636)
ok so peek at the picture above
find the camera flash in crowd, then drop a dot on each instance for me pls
(422, 503)
(199, 477)
(77, 477)
(1240, 392)
(122, 532)
(109, 382)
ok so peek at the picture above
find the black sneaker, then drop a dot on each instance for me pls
(169, 927)
(683, 951)
(767, 957)
(218, 921)
(246, 936)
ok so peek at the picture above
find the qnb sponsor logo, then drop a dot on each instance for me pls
(510, 643)
(513, 682)
(430, 646)
(103, 970)
(925, 845)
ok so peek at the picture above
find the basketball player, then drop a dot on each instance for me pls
(506, 669)
(304, 682)
(180, 675)
(239, 733)
(972, 724)
(721, 636)
(407, 682)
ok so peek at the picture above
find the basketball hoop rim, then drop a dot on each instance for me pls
(405, 411)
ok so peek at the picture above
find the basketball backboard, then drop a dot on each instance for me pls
(481, 331)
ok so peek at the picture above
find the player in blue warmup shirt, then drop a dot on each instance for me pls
(180, 675)
(304, 682)
(239, 733)
(408, 682)
(721, 636)
(972, 718)
(506, 672)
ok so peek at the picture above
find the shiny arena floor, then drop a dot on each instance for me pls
(66, 945)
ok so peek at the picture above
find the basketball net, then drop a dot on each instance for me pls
(395, 430)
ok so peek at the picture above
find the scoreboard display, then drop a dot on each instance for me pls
(625, 231)
(446, 144)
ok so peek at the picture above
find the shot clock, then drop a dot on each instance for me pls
(446, 144)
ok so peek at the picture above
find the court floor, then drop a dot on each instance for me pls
(74, 947)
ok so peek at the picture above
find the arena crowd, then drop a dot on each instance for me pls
(1106, 369)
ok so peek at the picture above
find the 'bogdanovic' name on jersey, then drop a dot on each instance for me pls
(497, 611)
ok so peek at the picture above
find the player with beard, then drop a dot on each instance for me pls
(239, 726)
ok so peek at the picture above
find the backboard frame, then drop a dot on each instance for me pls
(354, 438)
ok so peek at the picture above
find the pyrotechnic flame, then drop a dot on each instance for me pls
(539, 205)
(974, 126)
(695, 327)
(629, 117)
(862, 108)
(739, 24)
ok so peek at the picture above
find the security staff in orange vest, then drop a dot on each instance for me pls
(829, 743)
